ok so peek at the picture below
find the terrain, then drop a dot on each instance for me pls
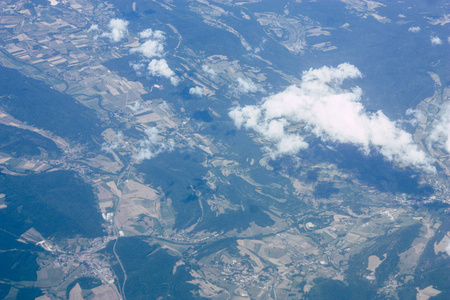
(225, 150)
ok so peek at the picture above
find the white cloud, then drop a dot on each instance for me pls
(118, 29)
(137, 67)
(435, 40)
(321, 105)
(441, 129)
(159, 67)
(149, 49)
(207, 69)
(164, 105)
(414, 29)
(417, 115)
(246, 85)
(153, 47)
(113, 144)
(447, 248)
(198, 90)
(137, 106)
(93, 27)
(149, 147)
(174, 80)
(153, 34)
(152, 145)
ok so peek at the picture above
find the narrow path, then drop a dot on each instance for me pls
(124, 177)
(120, 288)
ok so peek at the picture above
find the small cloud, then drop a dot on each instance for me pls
(435, 40)
(447, 248)
(118, 29)
(174, 80)
(198, 90)
(149, 49)
(149, 147)
(246, 85)
(401, 16)
(153, 47)
(322, 106)
(137, 106)
(246, 45)
(164, 105)
(152, 145)
(380, 19)
(114, 143)
(159, 67)
(345, 26)
(414, 29)
(417, 116)
(153, 34)
(94, 27)
(440, 133)
(208, 70)
(139, 68)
